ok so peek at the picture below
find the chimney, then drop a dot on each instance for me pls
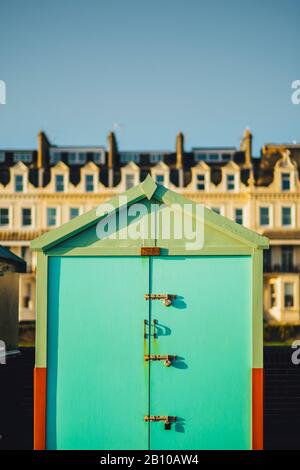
(42, 156)
(179, 157)
(246, 145)
(112, 150)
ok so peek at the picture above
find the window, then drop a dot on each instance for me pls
(27, 295)
(51, 216)
(160, 179)
(286, 216)
(213, 157)
(25, 157)
(19, 186)
(267, 260)
(230, 182)
(200, 157)
(217, 210)
(156, 157)
(2, 157)
(226, 157)
(288, 294)
(89, 183)
(59, 183)
(285, 181)
(4, 216)
(239, 216)
(200, 182)
(74, 212)
(273, 295)
(287, 258)
(26, 217)
(129, 181)
(55, 157)
(77, 158)
(129, 157)
(264, 216)
(98, 157)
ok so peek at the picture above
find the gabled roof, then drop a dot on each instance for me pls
(148, 189)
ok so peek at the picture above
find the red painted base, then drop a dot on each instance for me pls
(257, 409)
(39, 409)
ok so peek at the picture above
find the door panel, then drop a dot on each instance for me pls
(97, 383)
(208, 327)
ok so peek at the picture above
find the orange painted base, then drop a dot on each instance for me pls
(39, 410)
(257, 409)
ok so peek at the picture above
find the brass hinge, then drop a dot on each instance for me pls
(158, 357)
(150, 251)
(168, 420)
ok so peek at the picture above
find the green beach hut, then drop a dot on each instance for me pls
(149, 328)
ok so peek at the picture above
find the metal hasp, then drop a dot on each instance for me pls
(168, 420)
(158, 357)
(166, 298)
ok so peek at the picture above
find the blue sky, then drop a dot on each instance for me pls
(207, 67)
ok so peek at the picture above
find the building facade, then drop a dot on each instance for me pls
(45, 187)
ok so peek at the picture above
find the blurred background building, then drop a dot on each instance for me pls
(45, 187)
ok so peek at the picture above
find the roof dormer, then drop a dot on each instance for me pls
(161, 174)
(59, 179)
(285, 174)
(230, 178)
(200, 177)
(89, 179)
(130, 176)
(19, 182)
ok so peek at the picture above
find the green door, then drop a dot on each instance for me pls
(97, 382)
(208, 326)
(99, 388)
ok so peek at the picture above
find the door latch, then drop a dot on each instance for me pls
(168, 420)
(158, 357)
(166, 298)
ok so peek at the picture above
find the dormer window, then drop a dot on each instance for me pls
(230, 182)
(55, 157)
(156, 158)
(160, 178)
(25, 157)
(19, 183)
(129, 180)
(77, 158)
(200, 157)
(200, 185)
(129, 157)
(285, 181)
(98, 157)
(89, 183)
(59, 183)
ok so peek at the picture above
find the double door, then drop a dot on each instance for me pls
(127, 371)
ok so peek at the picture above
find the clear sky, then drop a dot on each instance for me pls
(76, 68)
